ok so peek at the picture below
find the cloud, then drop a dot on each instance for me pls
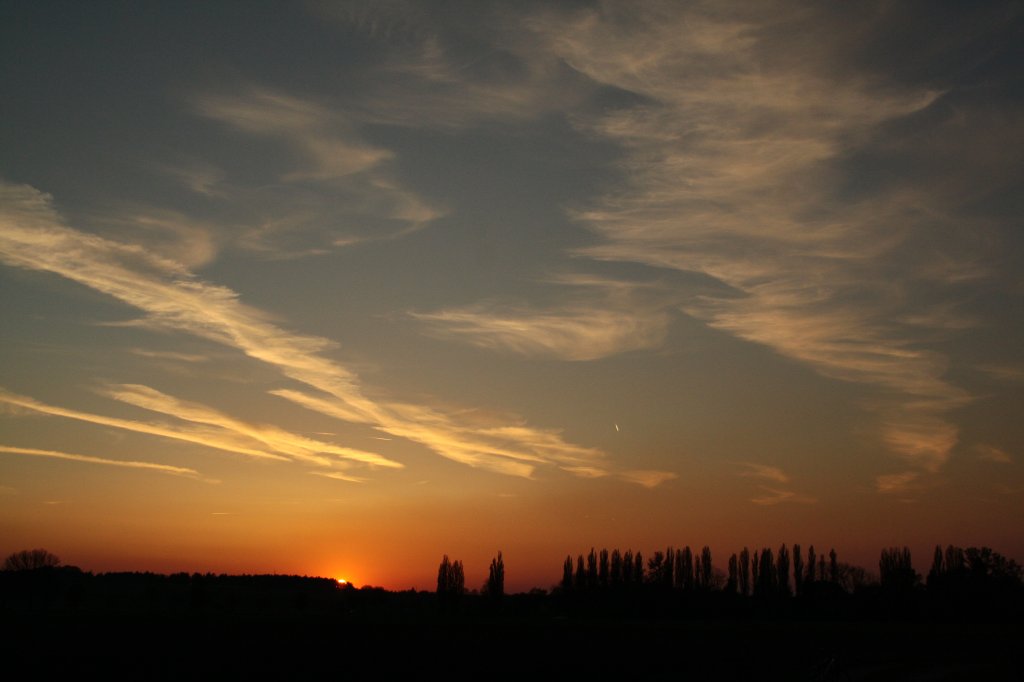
(32, 236)
(601, 317)
(990, 453)
(774, 496)
(340, 190)
(88, 459)
(172, 234)
(732, 168)
(338, 476)
(646, 477)
(462, 71)
(276, 439)
(1013, 374)
(763, 471)
(169, 355)
(896, 483)
(205, 437)
(567, 334)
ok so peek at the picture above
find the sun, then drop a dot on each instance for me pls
(341, 581)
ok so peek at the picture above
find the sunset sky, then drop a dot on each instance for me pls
(337, 288)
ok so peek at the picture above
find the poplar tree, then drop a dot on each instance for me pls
(592, 569)
(616, 568)
(798, 569)
(766, 573)
(687, 568)
(782, 569)
(730, 586)
(745, 572)
(496, 577)
(707, 575)
(937, 570)
(444, 572)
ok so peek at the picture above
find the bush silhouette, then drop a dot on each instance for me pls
(30, 560)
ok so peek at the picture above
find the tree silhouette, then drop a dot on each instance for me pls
(766, 573)
(458, 579)
(782, 571)
(745, 572)
(668, 571)
(937, 570)
(602, 568)
(444, 572)
(896, 570)
(707, 578)
(955, 560)
(451, 579)
(495, 586)
(655, 567)
(798, 569)
(30, 559)
(616, 568)
(811, 559)
(833, 567)
(567, 574)
(730, 586)
(687, 568)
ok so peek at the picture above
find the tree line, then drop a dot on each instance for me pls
(759, 572)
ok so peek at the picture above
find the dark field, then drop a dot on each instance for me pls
(145, 626)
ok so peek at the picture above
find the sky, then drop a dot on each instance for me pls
(338, 288)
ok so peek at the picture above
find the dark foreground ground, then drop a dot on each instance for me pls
(190, 627)
(313, 647)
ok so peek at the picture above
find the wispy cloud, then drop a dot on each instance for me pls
(990, 453)
(773, 496)
(338, 476)
(33, 236)
(273, 438)
(647, 478)
(88, 459)
(600, 317)
(206, 437)
(1008, 373)
(429, 78)
(765, 472)
(729, 170)
(568, 334)
(169, 355)
(896, 483)
(339, 181)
